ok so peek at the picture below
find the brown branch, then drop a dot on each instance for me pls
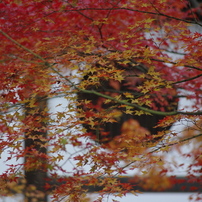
(159, 148)
(174, 52)
(175, 143)
(21, 46)
(163, 61)
(189, 79)
(175, 63)
(136, 10)
(78, 11)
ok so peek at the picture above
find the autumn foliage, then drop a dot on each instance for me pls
(106, 59)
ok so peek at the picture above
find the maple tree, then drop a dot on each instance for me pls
(148, 48)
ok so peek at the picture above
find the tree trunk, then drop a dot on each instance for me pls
(35, 149)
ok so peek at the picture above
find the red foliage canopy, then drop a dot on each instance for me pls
(48, 46)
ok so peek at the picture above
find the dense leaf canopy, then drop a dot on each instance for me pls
(61, 48)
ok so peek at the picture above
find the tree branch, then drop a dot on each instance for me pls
(151, 111)
(159, 148)
(175, 63)
(97, 93)
(136, 10)
(175, 143)
(23, 47)
(189, 79)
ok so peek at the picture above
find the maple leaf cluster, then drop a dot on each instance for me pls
(131, 58)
